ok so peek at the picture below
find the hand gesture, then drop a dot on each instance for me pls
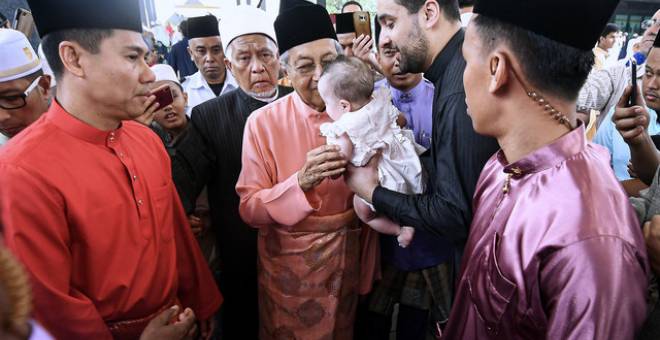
(196, 224)
(160, 328)
(631, 122)
(322, 162)
(362, 47)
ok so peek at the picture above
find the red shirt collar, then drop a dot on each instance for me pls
(59, 117)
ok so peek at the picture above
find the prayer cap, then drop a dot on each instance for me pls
(570, 22)
(302, 24)
(344, 23)
(165, 72)
(51, 15)
(202, 27)
(17, 59)
(656, 43)
(244, 20)
(286, 5)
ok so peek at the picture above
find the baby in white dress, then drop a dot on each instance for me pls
(365, 123)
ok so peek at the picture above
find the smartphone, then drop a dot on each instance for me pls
(362, 23)
(633, 92)
(23, 21)
(164, 97)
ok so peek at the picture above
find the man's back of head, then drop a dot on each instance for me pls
(528, 65)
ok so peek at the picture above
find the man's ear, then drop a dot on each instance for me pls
(284, 71)
(500, 67)
(44, 85)
(228, 65)
(44, 88)
(430, 14)
(71, 55)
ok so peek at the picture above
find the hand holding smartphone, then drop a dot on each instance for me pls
(362, 23)
(163, 96)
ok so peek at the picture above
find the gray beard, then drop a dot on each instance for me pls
(266, 97)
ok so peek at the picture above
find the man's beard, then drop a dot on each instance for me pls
(262, 95)
(413, 56)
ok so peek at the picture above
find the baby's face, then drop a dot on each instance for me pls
(333, 105)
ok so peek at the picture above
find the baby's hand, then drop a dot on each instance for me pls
(406, 236)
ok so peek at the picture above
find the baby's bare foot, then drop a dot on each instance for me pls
(405, 237)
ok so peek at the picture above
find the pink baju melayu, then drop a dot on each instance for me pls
(309, 243)
(555, 250)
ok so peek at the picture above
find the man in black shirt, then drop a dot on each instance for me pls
(210, 155)
(429, 37)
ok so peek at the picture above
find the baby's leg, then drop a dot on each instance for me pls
(363, 210)
(380, 223)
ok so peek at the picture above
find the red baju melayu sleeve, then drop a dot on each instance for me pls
(43, 247)
(96, 220)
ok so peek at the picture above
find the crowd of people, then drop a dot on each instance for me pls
(468, 170)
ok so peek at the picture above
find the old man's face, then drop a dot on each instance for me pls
(304, 68)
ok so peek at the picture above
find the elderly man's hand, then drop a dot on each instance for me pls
(652, 237)
(632, 122)
(322, 162)
(363, 180)
(160, 327)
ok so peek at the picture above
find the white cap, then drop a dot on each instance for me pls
(17, 58)
(45, 66)
(243, 20)
(165, 72)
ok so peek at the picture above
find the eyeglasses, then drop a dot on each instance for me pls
(646, 24)
(20, 100)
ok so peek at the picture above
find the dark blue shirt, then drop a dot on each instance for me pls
(179, 59)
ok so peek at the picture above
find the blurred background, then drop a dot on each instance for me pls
(162, 17)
